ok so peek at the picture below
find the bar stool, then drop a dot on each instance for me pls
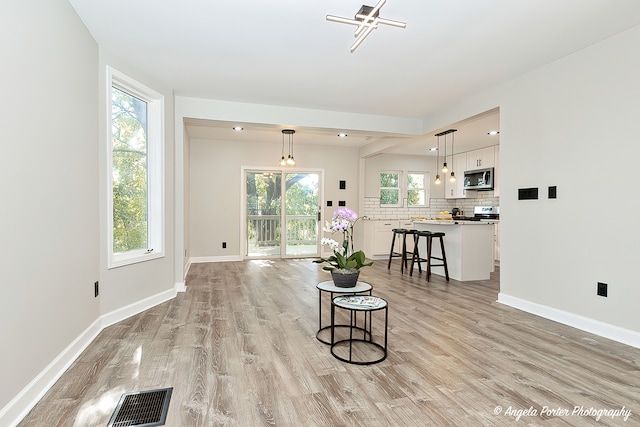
(429, 235)
(404, 256)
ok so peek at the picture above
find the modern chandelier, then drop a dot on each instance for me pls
(367, 20)
(289, 160)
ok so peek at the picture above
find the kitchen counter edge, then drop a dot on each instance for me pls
(452, 222)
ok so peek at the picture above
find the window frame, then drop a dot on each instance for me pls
(426, 188)
(398, 188)
(155, 171)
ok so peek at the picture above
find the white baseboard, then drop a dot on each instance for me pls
(186, 268)
(606, 330)
(230, 258)
(24, 401)
(136, 307)
(180, 287)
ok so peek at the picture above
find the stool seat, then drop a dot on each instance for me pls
(403, 255)
(429, 235)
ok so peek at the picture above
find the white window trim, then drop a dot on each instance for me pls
(400, 192)
(155, 169)
(426, 188)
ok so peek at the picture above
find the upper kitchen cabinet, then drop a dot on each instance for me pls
(481, 159)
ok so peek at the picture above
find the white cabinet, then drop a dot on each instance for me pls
(496, 172)
(497, 242)
(382, 237)
(481, 159)
(455, 190)
(450, 187)
(378, 235)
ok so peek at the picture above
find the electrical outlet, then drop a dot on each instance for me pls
(96, 289)
(224, 245)
(602, 289)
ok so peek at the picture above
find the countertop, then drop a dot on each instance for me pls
(435, 221)
(452, 222)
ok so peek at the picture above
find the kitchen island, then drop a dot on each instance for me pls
(468, 246)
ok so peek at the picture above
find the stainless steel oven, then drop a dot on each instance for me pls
(486, 212)
(479, 213)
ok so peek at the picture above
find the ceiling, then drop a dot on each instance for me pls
(470, 134)
(285, 53)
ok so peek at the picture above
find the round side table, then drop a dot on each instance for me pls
(328, 286)
(355, 304)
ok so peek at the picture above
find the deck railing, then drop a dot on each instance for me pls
(264, 230)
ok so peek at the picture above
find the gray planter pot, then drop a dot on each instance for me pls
(347, 280)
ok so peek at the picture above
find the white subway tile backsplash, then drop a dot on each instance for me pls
(373, 210)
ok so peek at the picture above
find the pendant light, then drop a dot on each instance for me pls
(452, 178)
(289, 160)
(437, 181)
(445, 169)
(283, 161)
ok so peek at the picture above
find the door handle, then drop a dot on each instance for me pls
(319, 216)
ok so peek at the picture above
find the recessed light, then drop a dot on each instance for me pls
(493, 132)
(342, 135)
(433, 149)
(238, 128)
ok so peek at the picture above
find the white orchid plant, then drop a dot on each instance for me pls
(344, 258)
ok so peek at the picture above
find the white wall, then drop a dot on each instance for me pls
(49, 247)
(215, 194)
(573, 124)
(53, 119)
(182, 258)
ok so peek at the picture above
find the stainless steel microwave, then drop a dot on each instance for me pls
(480, 179)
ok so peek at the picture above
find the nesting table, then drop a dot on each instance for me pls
(368, 351)
(328, 286)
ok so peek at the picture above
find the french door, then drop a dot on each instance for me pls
(282, 213)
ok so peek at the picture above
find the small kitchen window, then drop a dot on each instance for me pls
(417, 189)
(390, 188)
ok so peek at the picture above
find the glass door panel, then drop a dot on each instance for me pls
(264, 211)
(301, 214)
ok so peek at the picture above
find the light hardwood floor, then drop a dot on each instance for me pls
(239, 348)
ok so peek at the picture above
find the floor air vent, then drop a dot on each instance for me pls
(142, 409)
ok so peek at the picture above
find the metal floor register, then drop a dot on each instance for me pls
(142, 409)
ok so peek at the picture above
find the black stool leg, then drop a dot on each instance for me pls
(444, 259)
(429, 241)
(414, 254)
(403, 264)
(393, 242)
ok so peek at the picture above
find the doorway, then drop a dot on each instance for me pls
(282, 213)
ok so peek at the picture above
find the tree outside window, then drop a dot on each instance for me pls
(390, 188)
(129, 169)
(417, 189)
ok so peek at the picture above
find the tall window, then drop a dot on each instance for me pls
(136, 171)
(417, 189)
(390, 188)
